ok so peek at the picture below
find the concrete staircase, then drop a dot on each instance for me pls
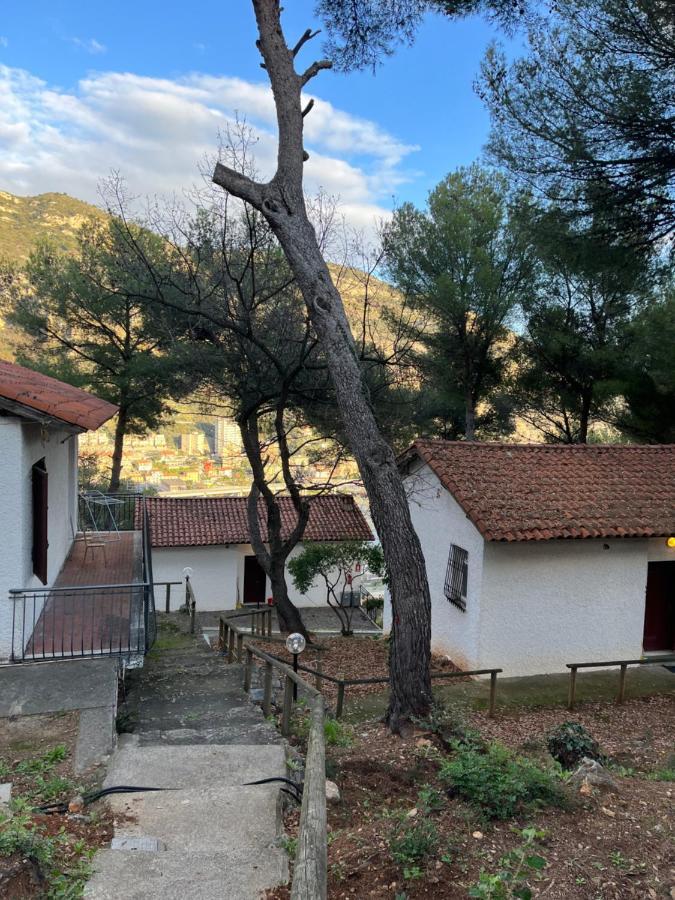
(198, 735)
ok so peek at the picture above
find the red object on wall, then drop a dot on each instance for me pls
(270, 601)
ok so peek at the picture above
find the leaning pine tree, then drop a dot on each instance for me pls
(281, 200)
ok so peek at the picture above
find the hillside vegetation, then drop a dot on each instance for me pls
(25, 221)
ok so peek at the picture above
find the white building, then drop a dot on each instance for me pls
(210, 535)
(542, 555)
(40, 419)
(227, 435)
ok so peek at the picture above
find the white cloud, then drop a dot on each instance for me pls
(157, 132)
(90, 45)
(4, 42)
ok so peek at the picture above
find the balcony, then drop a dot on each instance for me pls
(102, 603)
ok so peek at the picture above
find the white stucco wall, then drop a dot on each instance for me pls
(440, 522)
(22, 444)
(217, 574)
(545, 604)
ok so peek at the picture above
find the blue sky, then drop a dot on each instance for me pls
(143, 88)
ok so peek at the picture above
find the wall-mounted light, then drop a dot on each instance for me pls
(670, 542)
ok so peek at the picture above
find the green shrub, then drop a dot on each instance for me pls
(412, 841)
(517, 867)
(662, 775)
(500, 784)
(570, 742)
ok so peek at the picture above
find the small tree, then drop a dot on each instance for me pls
(339, 565)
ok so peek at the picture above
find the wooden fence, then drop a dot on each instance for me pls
(608, 664)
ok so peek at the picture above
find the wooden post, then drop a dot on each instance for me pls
(240, 647)
(622, 683)
(287, 707)
(193, 606)
(248, 667)
(318, 680)
(573, 687)
(230, 645)
(340, 700)
(309, 871)
(168, 597)
(269, 622)
(267, 696)
(493, 694)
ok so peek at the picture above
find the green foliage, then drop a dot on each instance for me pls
(499, 784)
(19, 834)
(336, 733)
(517, 867)
(334, 563)
(430, 799)
(570, 742)
(585, 118)
(290, 845)
(412, 841)
(662, 775)
(463, 265)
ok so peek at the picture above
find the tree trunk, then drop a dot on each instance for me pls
(470, 418)
(289, 618)
(584, 418)
(118, 450)
(282, 203)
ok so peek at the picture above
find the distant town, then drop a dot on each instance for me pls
(192, 456)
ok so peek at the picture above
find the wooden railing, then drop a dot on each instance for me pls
(607, 664)
(311, 861)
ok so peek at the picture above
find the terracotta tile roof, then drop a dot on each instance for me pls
(203, 521)
(52, 398)
(537, 492)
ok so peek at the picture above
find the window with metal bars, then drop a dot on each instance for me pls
(457, 576)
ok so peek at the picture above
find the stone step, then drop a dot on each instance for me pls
(238, 818)
(178, 875)
(231, 733)
(204, 765)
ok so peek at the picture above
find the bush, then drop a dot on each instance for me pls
(570, 742)
(500, 784)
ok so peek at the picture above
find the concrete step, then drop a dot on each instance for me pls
(178, 875)
(238, 818)
(202, 766)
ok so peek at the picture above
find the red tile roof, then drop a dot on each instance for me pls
(537, 492)
(53, 398)
(203, 521)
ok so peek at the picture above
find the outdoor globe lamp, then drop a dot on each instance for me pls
(671, 543)
(295, 644)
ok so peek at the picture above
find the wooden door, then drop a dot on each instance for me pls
(40, 519)
(660, 607)
(255, 581)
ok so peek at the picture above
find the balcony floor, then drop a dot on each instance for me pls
(96, 621)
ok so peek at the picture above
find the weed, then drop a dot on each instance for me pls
(411, 842)
(570, 742)
(337, 734)
(500, 784)
(290, 845)
(430, 799)
(662, 775)
(517, 867)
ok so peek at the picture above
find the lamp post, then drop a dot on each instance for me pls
(295, 644)
(189, 602)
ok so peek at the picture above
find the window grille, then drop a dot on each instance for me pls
(456, 576)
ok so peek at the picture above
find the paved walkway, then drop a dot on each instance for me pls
(198, 734)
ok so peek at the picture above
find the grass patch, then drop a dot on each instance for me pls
(500, 784)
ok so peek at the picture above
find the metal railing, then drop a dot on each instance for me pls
(64, 622)
(109, 512)
(70, 622)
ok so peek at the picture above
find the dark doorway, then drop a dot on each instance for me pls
(660, 607)
(254, 581)
(40, 488)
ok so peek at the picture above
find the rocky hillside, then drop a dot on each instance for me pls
(24, 221)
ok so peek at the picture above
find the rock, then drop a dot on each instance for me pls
(332, 792)
(76, 805)
(592, 774)
(423, 743)
(478, 835)
(412, 813)
(6, 792)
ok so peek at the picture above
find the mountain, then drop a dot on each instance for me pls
(24, 221)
